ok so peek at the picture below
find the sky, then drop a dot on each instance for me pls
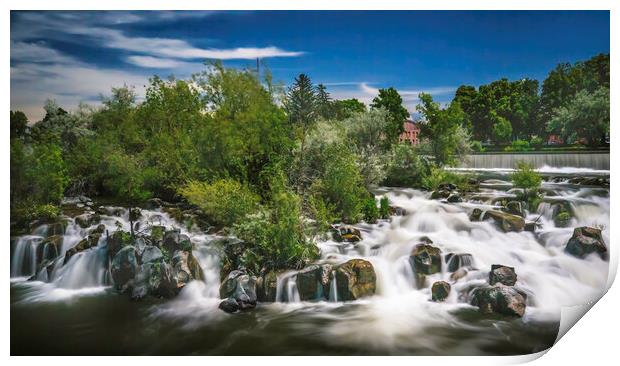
(78, 56)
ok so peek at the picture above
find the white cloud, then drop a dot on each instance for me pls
(37, 52)
(162, 63)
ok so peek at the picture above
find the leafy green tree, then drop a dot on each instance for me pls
(390, 100)
(19, 124)
(447, 139)
(502, 129)
(586, 117)
(345, 108)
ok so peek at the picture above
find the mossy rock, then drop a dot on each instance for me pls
(425, 259)
(505, 221)
(499, 299)
(440, 291)
(313, 282)
(355, 279)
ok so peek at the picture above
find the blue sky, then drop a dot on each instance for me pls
(75, 57)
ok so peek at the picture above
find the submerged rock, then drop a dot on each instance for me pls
(502, 274)
(425, 259)
(586, 240)
(440, 290)
(507, 222)
(456, 261)
(124, 267)
(355, 279)
(90, 241)
(313, 282)
(499, 299)
(267, 287)
(87, 219)
(346, 233)
(229, 305)
(515, 208)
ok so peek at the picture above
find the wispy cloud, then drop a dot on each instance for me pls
(161, 63)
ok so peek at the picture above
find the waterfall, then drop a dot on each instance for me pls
(24, 259)
(286, 288)
(592, 160)
(333, 291)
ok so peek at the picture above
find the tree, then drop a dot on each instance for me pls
(390, 100)
(324, 104)
(301, 103)
(586, 116)
(447, 138)
(502, 129)
(345, 108)
(19, 124)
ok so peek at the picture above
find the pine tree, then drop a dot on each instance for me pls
(324, 102)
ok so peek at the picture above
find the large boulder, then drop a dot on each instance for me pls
(515, 208)
(124, 268)
(456, 261)
(355, 279)
(117, 241)
(505, 221)
(313, 282)
(151, 254)
(49, 248)
(586, 240)
(425, 259)
(185, 268)
(502, 274)
(155, 279)
(440, 291)
(267, 287)
(90, 241)
(499, 299)
(346, 233)
(229, 305)
(87, 219)
(57, 228)
(240, 287)
(173, 240)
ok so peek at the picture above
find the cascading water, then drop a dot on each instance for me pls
(398, 319)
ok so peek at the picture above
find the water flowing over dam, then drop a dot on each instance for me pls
(587, 160)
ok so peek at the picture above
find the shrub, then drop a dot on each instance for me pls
(371, 211)
(537, 142)
(519, 145)
(225, 201)
(477, 146)
(406, 168)
(277, 236)
(384, 207)
(439, 175)
(528, 179)
(323, 215)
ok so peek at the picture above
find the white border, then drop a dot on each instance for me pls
(592, 340)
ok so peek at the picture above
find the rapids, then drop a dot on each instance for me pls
(88, 317)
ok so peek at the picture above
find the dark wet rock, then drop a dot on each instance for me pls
(57, 228)
(313, 282)
(154, 203)
(49, 248)
(110, 211)
(562, 219)
(447, 187)
(241, 287)
(185, 268)
(476, 215)
(87, 219)
(461, 260)
(116, 241)
(229, 305)
(502, 274)
(505, 221)
(155, 279)
(586, 240)
(458, 274)
(515, 208)
(425, 239)
(355, 279)
(100, 229)
(531, 226)
(346, 233)
(267, 287)
(173, 240)
(499, 299)
(440, 290)
(590, 181)
(454, 198)
(397, 211)
(440, 194)
(151, 254)
(91, 241)
(124, 267)
(425, 259)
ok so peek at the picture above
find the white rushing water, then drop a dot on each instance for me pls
(400, 310)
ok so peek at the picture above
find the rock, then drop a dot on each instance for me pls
(505, 221)
(241, 287)
(425, 259)
(90, 241)
(502, 274)
(153, 203)
(586, 240)
(397, 211)
(49, 248)
(135, 214)
(476, 215)
(313, 282)
(154, 279)
(157, 232)
(346, 233)
(152, 254)
(458, 274)
(100, 229)
(57, 228)
(87, 219)
(447, 187)
(117, 241)
(499, 299)
(355, 279)
(124, 267)
(454, 198)
(440, 290)
(456, 261)
(562, 219)
(267, 287)
(531, 226)
(229, 305)
(440, 194)
(110, 211)
(174, 240)
(185, 268)
(515, 208)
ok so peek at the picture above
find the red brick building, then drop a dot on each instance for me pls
(411, 133)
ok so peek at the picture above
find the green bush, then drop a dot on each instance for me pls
(371, 211)
(277, 236)
(439, 176)
(477, 146)
(406, 168)
(384, 207)
(536, 142)
(322, 214)
(519, 145)
(224, 201)
(528, 179)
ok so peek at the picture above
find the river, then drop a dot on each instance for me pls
(76, 311)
